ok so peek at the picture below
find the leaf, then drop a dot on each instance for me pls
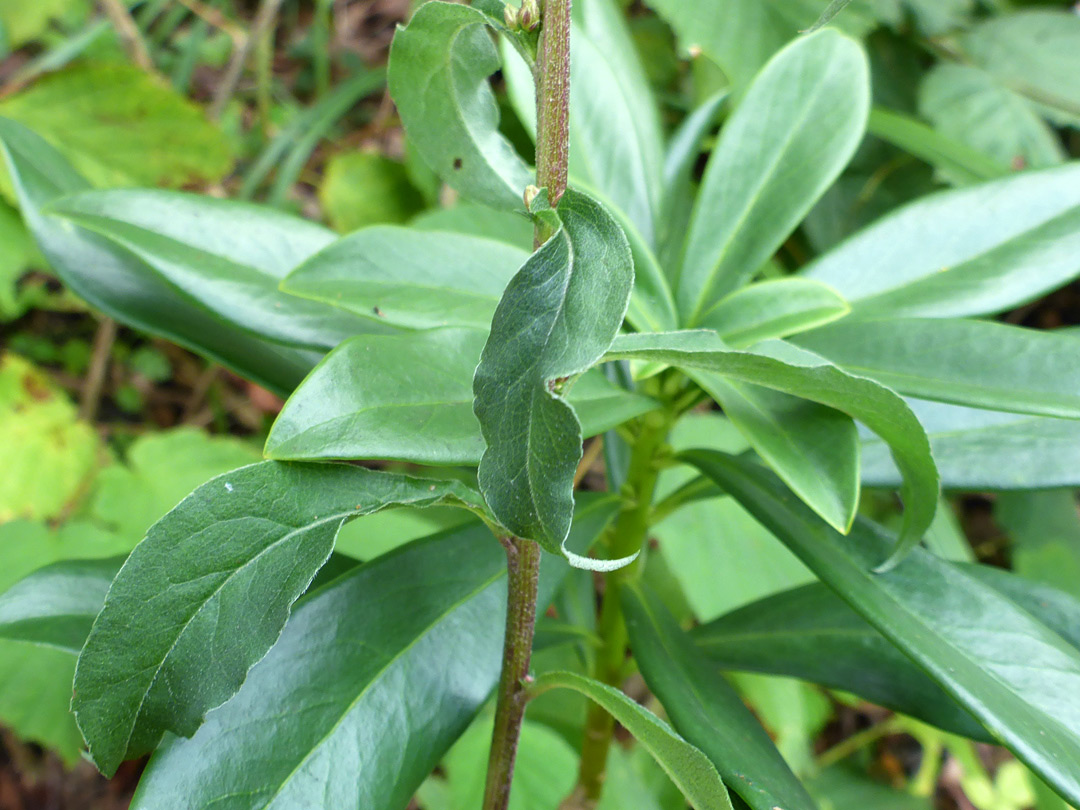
(1032, 371)
(775, 309)
(56, 605)
(23, 22)
(35, 691)
(178, 632)
(119, 125)
(410, 398)
(687, 766)
(120, 285)
(842, 787)
(774, 365)
(419, 630)
(365, 188)
(1044, 528)
(50, 456)
(14, 262)
(986, 450)
(439, 65)
(931, 258)
(232, 270)
(785, 144)
(478, 220)
(1017, 677)
(412, 279)
(966, 103)
(557, 317)
(706, 710)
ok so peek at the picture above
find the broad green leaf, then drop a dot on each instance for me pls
(478, 220)
(118, 283)
(35, 692)
(23, 22)
(178, 632)
(966, 103)
(964, 362)
(788, 140)
(366, 188)
(1044, 528)
(931, 258)
(410, 398)
(1017, 677)
(780, 367)
(412, 279)
(775, 309)
(706, 710)
(232, 268)
(986, 450)
(1003, 46)
(50, 456)
(687, 766)
(56, 605)
(118, 125)
(439, 66)
(556, 319)
(813, 447)
(419, 630)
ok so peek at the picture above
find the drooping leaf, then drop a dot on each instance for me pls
(931, 258)
(774, 365)
(439, 67)
(980, 364)
(788, 139)
(687, 766)
(366, 188)
(410, 279)
(706, 710)
(556, 319)
(418, 630)
(1016, 676)
(775, 309)
(410, 397)
(206, 594)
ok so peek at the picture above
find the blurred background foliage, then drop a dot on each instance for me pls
(284, 102)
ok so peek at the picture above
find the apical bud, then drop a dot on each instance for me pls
(510, 17)
(530, 14)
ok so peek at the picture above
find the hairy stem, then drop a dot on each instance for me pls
(553, 99)
(523, 568)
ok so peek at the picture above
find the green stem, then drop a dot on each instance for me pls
(523, 569)
(553, 99)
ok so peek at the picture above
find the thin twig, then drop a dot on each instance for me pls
(129, 32)
(264, 21)
(99, 363)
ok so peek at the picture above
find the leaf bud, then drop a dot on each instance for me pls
(530, 15)
(531, 193)
(510, 17)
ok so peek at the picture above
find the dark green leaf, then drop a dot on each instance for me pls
(557, 317)
(965, 362)
(206, 594)
(409, 397)
(788, 139)
(381, 670)
(1017, 677)
(706, 710)
(687, 766)
(439, 66)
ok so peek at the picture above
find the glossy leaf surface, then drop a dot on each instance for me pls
(1017, 677)
(412, 279)
(789, 138)
(439, 67)
(706, 710)
(206, 594)
(964, 362)
(775, 309)
(556, 319)
(384, 669)
(687, 766)
(409, 397)
(932, 258)
(775, 365)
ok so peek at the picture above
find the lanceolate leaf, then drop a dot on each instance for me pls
(1017, 677)
(556, 319)
(789, 138)
(964, 362)
(688, 767)
(381, 670)
(775, 309)
(782, 367)
(118, 283)
(706, 710)
(980, 450)
(439, 66)
(206, 594)
(932, 258)
(410, 278)
(409, 397)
